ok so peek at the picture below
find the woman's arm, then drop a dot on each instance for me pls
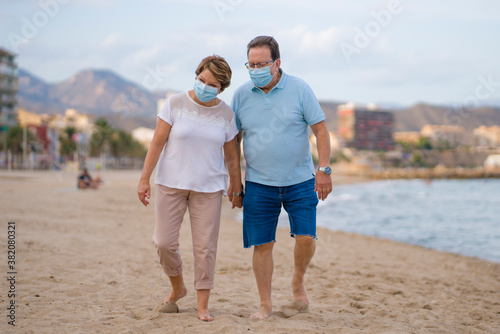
(159, 139)
(232, 156)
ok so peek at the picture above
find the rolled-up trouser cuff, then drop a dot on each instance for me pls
(204, 285)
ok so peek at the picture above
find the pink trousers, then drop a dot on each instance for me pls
(204, 214)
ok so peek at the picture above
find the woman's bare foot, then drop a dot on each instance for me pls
(203, 295)
(176, 295)
(178, 289)
(204, 315)
(265, 311)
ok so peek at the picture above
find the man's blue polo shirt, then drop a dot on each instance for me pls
(275, 130)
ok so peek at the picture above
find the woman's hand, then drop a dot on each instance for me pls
(237, 202)
(144, 191)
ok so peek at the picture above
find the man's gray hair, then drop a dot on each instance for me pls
(268, 41)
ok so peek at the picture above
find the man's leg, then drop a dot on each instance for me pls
(300, 203)
(261, 209)
(305, 247)
(263, 266)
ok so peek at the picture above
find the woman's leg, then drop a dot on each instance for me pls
(204, 213)
(170, 207)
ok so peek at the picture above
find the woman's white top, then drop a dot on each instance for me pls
(192, 157)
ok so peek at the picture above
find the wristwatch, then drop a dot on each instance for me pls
(240, 194)
(326, 170)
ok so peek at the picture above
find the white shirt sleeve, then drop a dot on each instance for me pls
(233, 130)
(166, 113)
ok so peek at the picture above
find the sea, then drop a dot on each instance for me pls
(457, 216)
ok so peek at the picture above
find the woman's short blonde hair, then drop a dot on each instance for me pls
(219, 68)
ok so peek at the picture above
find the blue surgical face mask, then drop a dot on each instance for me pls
(261, 77)
(203, 92)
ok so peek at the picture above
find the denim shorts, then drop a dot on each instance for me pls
(262, 207)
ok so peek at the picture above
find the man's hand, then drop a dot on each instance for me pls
(323, 185)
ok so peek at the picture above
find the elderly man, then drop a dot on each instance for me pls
(273, 113)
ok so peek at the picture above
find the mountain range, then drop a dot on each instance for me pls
(99, 92)
(128, 105)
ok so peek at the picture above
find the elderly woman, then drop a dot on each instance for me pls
(193, 130)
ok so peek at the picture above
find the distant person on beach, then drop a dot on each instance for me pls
(194, 128)
(273, 113)
(85, 181)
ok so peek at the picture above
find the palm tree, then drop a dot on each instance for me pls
(68, 146)
(101, 138)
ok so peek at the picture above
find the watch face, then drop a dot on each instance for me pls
(328, 170)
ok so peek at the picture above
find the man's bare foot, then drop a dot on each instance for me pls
(204, 315)
(265, 311)
(176, 295)
(293, 308)
(299, 290)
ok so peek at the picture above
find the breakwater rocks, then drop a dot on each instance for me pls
(433, 173)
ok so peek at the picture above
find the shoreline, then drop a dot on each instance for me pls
(434, 173)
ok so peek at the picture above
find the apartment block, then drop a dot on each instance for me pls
(366, 128)
(8, 89)
(487, 136)
(454, 135)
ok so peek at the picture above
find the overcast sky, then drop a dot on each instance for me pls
(385, 51)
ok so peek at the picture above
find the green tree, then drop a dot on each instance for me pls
(424, 144)
(67, 145)
(417, 160)
(15, 138)
(406, 147)
(119, 142)
(123, 144)
(101, 137)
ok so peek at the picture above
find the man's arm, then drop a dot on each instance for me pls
(323, 181)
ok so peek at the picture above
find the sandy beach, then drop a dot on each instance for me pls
(85, 263)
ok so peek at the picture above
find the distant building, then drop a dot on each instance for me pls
(48, 127)
(161, 102)
(143, 136)
(492, 162)
(82, 123)
(454, 135)
(37, 125)
(366, 128)
(28, 118)
(407, 137)
(487, 136)
(334, 145)
(8, 89)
